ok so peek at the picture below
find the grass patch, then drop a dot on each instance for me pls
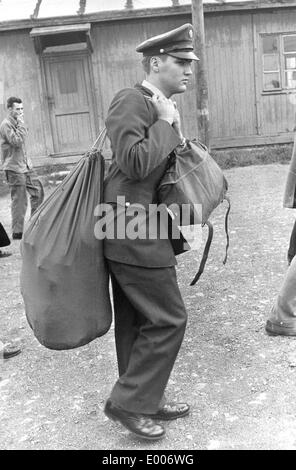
(227, 158)
(230, 158)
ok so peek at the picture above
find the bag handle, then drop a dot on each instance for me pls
(208, 244)
(205, 253)
(226, 229)
(100, 140)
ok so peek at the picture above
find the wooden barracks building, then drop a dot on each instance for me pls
(67, 59)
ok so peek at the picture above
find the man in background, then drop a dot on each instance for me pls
(18, 167)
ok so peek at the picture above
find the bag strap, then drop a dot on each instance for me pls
(205, 253)
(100, 140)
(208, 244)
(226, 228)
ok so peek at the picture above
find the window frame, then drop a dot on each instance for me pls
(282, 68)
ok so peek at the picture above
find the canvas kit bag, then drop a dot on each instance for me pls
(194, 178)
(64, 279)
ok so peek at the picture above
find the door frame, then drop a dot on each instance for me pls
(49, 131)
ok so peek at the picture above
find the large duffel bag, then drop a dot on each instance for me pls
(64, 279)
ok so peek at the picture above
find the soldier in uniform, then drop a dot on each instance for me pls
(143, 125)
(282, 319)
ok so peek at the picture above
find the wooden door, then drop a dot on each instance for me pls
(70, 102)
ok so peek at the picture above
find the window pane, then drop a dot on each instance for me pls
(271, 81)
(290, 79)
(67, 79)
(270, 62)
(290, 61)
(270, 44)
(290, 43)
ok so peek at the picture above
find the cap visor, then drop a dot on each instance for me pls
(183, 55)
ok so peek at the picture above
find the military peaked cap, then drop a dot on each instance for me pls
(177, 43)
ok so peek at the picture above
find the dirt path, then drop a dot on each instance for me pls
(240, 382)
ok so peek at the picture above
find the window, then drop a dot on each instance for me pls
(290, 60)
(279, 61)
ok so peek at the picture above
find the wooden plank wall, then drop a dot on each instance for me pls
(232, 98)
(229, 42)
(239, 112)
(20, 76)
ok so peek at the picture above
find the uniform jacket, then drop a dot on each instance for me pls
(141, 146)
(13, 151)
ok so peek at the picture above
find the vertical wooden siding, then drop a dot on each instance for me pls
(20, 73)
(233, 60)
(229, 42)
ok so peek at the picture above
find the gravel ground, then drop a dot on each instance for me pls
(239, 381)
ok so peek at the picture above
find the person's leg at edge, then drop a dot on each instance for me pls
(282, 318)
(292, 244)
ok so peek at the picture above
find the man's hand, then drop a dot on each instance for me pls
(20, 119)
(165, 108)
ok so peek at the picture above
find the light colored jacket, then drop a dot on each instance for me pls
(13, 150)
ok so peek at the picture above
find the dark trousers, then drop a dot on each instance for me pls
(292, 244)
(150, 322)
(20, 184)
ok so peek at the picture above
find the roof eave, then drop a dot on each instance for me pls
(121, 15)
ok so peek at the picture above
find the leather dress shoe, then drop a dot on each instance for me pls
(171, 411)
(17, 235)
(138, 424)
(10, 351)
(276, 329)
(4, 254)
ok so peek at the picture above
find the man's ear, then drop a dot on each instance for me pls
(154, 64)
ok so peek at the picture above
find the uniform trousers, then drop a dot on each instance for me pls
(19, 184)
(150, 321)
(283, 312)
(292, 244)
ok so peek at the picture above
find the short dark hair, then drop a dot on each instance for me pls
(146, 61)
(11, 100)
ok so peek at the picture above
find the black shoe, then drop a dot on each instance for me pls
(172, 411)
(274, 329)
(17, 235)
(10, 351)
(136, 423)
(4, 254)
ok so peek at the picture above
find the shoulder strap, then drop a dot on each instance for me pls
(205, 253)
(99, 142)
(226, 228)
(208, 244)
